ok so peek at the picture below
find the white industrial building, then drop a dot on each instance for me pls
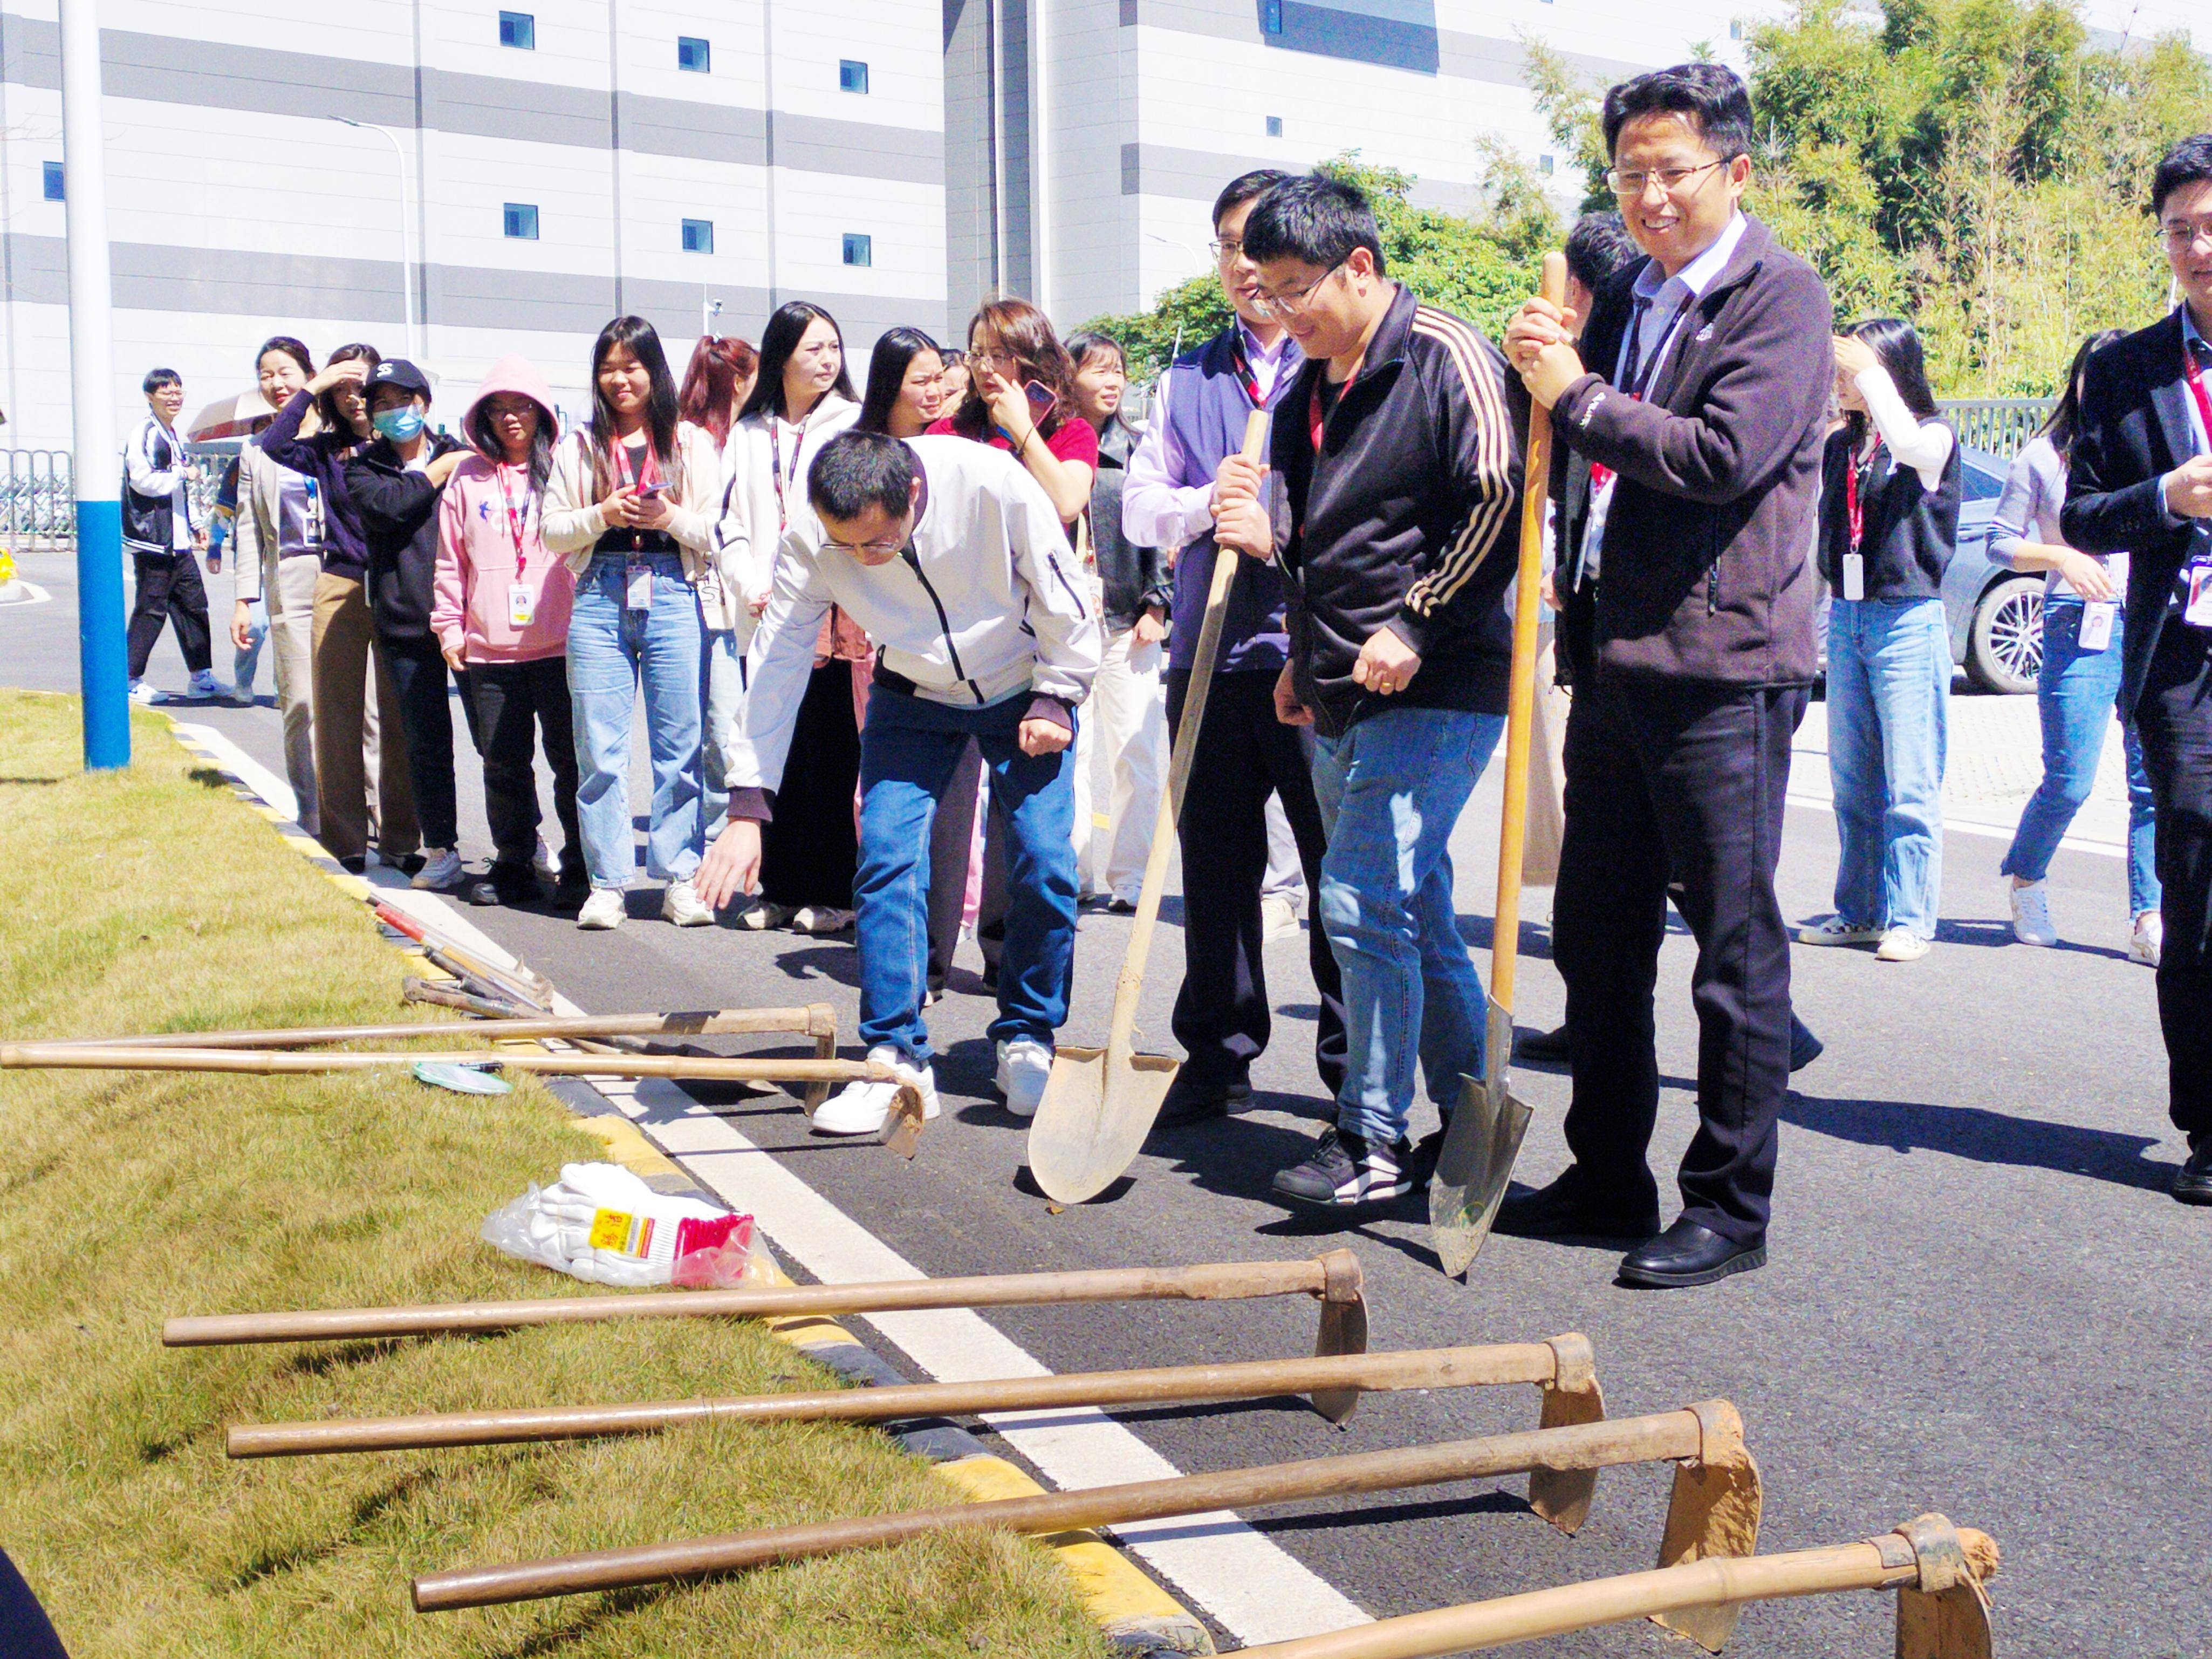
(455, 179)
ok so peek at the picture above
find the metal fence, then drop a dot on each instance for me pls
(2001, 426)
(37, 501)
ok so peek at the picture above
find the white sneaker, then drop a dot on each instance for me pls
(1279, 917)
(205, 685)
(761, 916)
(2148, 944)
(1902, 945)
(443, 869)
(144, 694)
(1834, 930)
(541, 860)
(604, 911)
(2031, 913)
(861, 1109)
(820, 919)
(1025, 1067)
(681, 905)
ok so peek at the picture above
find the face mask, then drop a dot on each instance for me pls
(399, 424)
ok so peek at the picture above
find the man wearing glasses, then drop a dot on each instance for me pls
(1697, 398)
(1399, 450)
(2140, 479)
(1221, 1015)
(953, 559)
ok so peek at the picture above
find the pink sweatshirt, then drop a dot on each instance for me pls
(480, 564)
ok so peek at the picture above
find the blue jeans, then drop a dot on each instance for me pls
(610, 649)
(2076, 695)
(908, 749)
(1889, 704)
(1390, 791)
(726, 703)
(245, 664)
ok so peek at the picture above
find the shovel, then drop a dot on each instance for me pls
(1484, 1137)
(1100, 1104)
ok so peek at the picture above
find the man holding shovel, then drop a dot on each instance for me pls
(1394, 568)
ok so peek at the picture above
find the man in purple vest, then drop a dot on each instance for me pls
(1244, 753)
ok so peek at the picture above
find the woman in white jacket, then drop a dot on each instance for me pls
(802, 398)
(633, 505)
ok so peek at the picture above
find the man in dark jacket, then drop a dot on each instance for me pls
(1399, 448)
(1698, 402)
(2140, 479)
(394, 483)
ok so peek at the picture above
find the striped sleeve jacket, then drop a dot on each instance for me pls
(1403, 515)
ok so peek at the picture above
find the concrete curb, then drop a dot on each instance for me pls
(1136, 1614)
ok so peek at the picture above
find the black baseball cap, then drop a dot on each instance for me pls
(397, 371)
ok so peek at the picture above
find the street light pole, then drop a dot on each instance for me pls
(103, 668)
(418, 346)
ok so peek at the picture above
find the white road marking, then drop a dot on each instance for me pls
(273, 790)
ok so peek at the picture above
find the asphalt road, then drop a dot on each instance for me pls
(1980, 1299)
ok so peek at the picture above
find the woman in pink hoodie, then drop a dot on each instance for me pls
(501, 611)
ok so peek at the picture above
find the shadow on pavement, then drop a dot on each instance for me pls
(1985, 1137)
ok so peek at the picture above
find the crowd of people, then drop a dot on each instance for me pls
(910, 657)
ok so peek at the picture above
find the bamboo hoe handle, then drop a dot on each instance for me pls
(1215, 1282)
(818, 1020)
(1876, 1564)
(1120, 1032)
(1672, 1436)
(263, 1062)
(1424, 1368)
(1521, 703)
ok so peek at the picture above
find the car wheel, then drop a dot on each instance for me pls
(2004, 649)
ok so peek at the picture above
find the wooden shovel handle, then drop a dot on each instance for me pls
(1521, 704)
(1130, 985)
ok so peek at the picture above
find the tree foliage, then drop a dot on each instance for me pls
(1480, 270)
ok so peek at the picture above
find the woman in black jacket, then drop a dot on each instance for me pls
(394, 483)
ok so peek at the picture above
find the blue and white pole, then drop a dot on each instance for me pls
(96, 460)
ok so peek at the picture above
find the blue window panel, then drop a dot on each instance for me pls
(1274, 126)
(860, 250)
(1390, 34)
(694, 54)
(54, 190)
(852, 76)
(518, 29)
(1271, 16)
(521, 221)
(698, 235)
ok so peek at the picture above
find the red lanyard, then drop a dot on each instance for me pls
(1851, 508)
(2196, 378)
(776, 465)
(1315, 422)
(1241, 361)
(1639, 374)
(647, 474)
(517, 522)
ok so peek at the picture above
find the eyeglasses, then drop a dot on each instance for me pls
(879, 552)
(2182, 234)
(1630, 186)
(1227, 248)
(1293, 305)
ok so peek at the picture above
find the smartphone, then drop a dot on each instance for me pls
(659, 489)
(1042, 401)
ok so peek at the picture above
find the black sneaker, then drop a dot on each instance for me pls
(1191, 1100)
(513, 884)
(1344, 1170)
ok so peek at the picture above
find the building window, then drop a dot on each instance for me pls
(1271, 15)
(1544, 165)
(1735, 29)
(852, 76)
(518, 29)
(698, 235)
(1274, 126)
(53, 183)
(858, 250)
(694, 54)
(521, 221)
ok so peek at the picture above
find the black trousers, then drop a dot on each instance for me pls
(1682, 784)
(2174, 719)
(1244, 754)
(169, 589)
(519, 705)
(811, 849)
(425, 718)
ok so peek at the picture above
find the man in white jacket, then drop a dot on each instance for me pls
(954, 559)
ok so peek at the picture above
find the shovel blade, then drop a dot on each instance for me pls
(1093, 1120)
(1476, 1161)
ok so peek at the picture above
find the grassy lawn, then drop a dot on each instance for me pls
(151, 899)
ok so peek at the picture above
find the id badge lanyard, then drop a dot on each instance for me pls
(2198, 613)
(521, 597)
(1637, 380)
(775, 468)
(638, 574)
(1854, 511)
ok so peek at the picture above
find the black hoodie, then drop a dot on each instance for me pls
(399, 510)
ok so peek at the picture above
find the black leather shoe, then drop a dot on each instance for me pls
(1547, 1046)
(1687, 1254)
(2193, 1185)
(1804, 1047)
(1190, 1100)
(1566, 1209)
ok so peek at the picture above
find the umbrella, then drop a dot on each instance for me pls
(229, 417)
